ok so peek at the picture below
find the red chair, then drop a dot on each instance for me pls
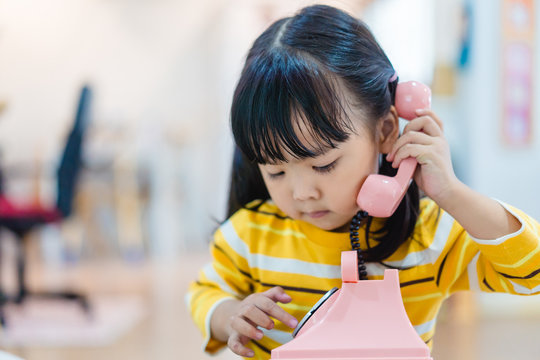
(22, 220)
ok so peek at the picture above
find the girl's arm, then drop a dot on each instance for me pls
(495, 263)
(481, 216)
(490, 246)
(423, 139)
(222, 301)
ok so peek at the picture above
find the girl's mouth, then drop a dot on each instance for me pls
(317, 214)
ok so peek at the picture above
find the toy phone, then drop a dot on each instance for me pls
(364, 320)
(380, 195)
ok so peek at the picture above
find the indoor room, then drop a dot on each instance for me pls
(123, 124)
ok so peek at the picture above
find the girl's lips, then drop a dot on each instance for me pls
(317, 214)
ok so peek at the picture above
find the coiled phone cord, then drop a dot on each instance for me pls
(355, 243)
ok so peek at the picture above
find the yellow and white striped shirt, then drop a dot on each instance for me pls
(258, 249)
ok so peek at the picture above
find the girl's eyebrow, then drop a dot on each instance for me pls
(319, 152)
(315, 153)
(323, 150)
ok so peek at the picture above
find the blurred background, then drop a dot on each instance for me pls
(131, 100)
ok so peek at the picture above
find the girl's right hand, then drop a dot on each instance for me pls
(256, 310)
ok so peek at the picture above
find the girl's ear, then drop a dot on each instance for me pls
(388, 130)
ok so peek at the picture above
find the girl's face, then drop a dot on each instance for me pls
(323, 190)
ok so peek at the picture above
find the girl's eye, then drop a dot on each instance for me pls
(325, 168)
(276, 175)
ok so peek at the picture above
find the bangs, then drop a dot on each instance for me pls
(279, 94)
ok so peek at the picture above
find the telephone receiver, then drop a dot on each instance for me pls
(380, 195)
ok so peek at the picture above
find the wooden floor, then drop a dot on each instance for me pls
(168, 332)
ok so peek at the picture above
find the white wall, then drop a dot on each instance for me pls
(141, 58)
(406, 32)
(493, 168)
(153, 72)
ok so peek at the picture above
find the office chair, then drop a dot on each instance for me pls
(22, 220)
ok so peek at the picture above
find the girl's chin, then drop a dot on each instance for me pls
(329, 224)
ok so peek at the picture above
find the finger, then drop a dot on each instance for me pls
(419, 152)
(246, 328)
(430, 113)
(411, 137)
(278, 294)
(424, 124)
(237, 343)
(267, 305)
(256, 316)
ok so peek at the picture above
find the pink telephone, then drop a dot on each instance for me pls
(364, 320)
(380, 195)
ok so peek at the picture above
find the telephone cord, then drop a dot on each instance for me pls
(355, 243)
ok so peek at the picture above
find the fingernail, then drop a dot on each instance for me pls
(293, 323)
(259, 335)
(250, 354)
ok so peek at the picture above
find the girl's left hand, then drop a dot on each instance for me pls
(423, 139)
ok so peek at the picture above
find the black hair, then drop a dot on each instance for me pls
(292, 73)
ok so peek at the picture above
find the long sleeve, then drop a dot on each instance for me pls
(226, 277)
(261, 248)
(509, 264)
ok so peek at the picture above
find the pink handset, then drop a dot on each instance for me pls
(380, 195)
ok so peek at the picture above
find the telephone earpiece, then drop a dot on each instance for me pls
(380, 195)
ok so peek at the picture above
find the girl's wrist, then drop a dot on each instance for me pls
(219, 323)
(452, 196)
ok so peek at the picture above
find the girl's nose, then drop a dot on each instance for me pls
(304, 190)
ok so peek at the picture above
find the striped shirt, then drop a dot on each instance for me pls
(256, 250)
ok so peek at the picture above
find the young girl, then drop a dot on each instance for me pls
(312, 117)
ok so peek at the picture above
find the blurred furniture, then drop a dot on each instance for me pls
(22, 220)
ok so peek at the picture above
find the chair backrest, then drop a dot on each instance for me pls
(71, 161)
